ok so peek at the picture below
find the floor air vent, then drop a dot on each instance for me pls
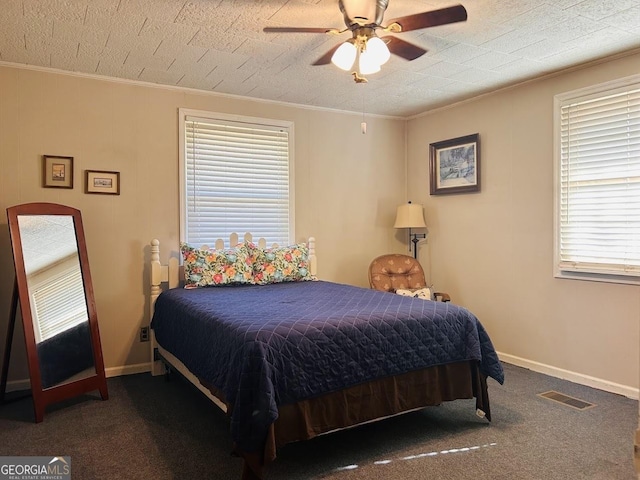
(567, 400)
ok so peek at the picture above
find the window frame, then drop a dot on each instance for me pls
(183, 114)
(560, 100)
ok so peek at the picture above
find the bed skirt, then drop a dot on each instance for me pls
(364, 403)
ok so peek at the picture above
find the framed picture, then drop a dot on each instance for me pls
(455, 165)
(99, 181)
(57, 172)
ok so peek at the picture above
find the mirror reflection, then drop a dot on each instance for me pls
(57, 298)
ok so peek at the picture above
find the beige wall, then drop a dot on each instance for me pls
(493, 250)
(347, 185)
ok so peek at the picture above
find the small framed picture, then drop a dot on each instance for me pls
(455, 165)
(99, 181)
(57, 172)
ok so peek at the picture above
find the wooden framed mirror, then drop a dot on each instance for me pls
(55, 293)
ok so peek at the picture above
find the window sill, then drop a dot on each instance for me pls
(598, 277)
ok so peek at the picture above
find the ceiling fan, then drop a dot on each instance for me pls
(364, 21)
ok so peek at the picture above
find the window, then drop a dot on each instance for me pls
(235, 177)
(597, 153)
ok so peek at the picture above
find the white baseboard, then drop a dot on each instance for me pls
(17, 385)
(127, 369)
(580, 378)
(25, 384)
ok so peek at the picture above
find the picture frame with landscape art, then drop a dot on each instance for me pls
(102, 182)
(455, 165)
(57, 172)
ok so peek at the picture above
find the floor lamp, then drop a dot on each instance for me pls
(410, 216)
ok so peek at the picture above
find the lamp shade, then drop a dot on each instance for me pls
(410, 215)
(368, 63)
(345, 55)
(379, 50)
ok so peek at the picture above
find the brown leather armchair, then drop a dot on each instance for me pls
(395, 271)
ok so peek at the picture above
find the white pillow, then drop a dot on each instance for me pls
(423, 293)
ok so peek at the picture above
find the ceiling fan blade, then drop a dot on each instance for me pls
(297, 30)
(403, 49)
(326, 58)
(433, 18)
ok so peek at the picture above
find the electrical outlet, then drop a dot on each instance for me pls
(144, 334)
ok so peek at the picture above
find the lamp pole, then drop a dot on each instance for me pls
(414, 239)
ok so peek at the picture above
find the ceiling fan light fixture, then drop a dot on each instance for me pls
(345, 55)
(368, 63)
(379, 49)
(363, 18)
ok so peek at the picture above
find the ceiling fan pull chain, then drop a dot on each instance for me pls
(363, 124)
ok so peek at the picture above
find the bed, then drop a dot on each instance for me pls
(290, 360)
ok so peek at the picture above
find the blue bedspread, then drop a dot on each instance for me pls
(270, 345)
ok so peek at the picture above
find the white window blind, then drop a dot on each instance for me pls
(59, 302)
(598, 203)
(236, 179)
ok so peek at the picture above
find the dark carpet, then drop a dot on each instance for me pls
(154, 429)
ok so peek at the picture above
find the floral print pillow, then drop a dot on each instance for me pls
(205, 267)
(282, 264)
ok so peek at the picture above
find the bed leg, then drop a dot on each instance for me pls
(167, 372)
(157, 365)
(636, 452)
(483, 408)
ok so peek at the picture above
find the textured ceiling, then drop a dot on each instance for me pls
(219, 46)
(46, 240)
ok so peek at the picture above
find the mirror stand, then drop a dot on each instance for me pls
(54, 290)
(7, 347)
